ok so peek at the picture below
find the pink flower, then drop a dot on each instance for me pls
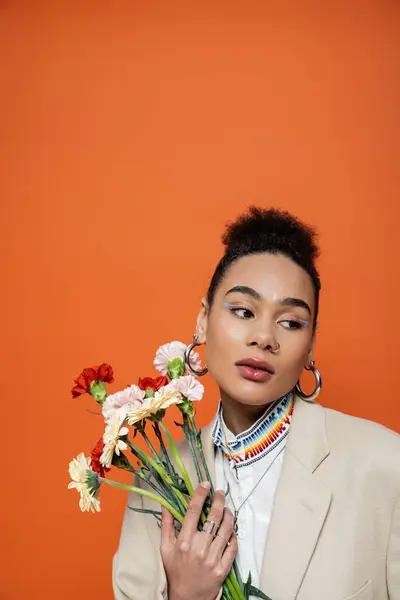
(168, 352)
(189, 387)
(129, 399)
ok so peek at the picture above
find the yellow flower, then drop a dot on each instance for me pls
(79, 468)
(162, 399)
(111, 436)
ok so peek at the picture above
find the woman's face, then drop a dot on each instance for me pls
(265, 300)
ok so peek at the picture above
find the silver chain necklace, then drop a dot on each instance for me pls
(236, 510)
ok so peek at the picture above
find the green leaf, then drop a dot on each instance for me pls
(199, 443)
(247, 586)
(258, 593)
(181, 487)
(121, 462)
(146, 511)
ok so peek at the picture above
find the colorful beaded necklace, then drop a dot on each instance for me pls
(261, 438)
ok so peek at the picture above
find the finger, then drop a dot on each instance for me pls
(215, 517)
(224, 535)
(229, 555)
(194, 510)
(168, 537)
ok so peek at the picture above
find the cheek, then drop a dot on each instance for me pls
(224, 336)
(225, 332)
(295, 352)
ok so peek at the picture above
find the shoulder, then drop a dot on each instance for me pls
(361, 429)
(364, 440)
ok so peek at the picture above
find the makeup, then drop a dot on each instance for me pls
(228, 305)
(254, 374)
(302, 322)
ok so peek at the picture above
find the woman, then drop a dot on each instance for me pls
(313, 509)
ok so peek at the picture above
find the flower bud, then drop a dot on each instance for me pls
(176, 368)
(99, 391)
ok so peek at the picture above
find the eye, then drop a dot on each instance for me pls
(292, 324)
(241, 312)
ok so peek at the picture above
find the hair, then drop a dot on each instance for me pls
(272, 231)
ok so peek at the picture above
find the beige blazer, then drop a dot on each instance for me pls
(335, 525)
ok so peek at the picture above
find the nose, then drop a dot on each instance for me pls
(263, 338)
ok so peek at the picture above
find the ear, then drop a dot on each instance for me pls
(311, 350)
(202, 321)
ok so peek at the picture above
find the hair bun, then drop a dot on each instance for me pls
(273, 229)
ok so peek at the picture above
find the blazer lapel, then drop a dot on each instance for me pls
(301, 504)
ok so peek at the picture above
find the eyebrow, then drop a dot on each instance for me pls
(244, 289)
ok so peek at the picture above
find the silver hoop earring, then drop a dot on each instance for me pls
(187, 357)
(274, 350)
(318, 382)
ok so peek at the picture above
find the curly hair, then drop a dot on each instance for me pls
(273, 231)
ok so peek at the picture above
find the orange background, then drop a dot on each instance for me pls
(130, 133)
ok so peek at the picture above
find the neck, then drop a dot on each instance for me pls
(238, 417)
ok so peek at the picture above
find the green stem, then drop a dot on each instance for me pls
(150, 445)
(167, 493)
(156, 475)
(231, 590)
(164, 453)
(233, 581)
(225, 594)
(178, 460)
(200, 448)
(146, 494)
(147, 460)
(237, 574)
(189, 436)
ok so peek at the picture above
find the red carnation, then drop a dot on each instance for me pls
(153, 384)
(96, 453)
(102, 373)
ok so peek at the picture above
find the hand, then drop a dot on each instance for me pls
(197, 563)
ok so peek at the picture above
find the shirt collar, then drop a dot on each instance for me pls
(270, 430)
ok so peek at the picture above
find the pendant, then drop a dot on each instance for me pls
(235, 523)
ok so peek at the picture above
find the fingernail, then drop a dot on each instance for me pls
(205, 485)
(221, 492)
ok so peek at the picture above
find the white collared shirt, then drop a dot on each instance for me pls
(255, 514)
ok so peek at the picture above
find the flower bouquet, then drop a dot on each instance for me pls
(127, 414)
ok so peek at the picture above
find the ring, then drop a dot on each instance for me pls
(225, 540)
(210, 531)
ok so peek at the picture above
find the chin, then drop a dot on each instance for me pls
(252, 394)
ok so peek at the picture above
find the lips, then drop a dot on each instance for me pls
(257, 364)
(255, 369)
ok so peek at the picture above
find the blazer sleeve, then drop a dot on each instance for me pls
(393, 558)
(138, 572)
